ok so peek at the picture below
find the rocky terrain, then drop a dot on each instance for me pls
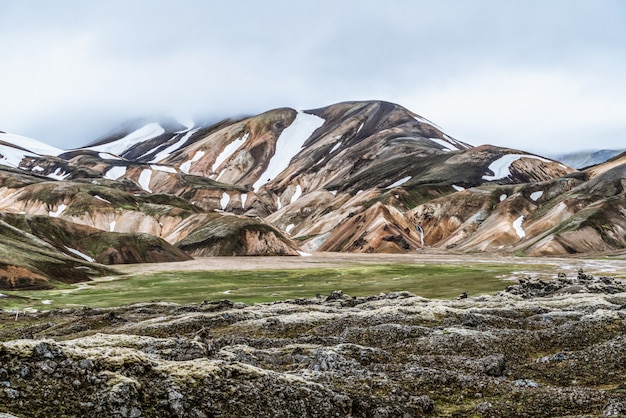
(541, 348)
(354, 177)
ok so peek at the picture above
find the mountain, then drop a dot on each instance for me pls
(583, 159)
(352, 177)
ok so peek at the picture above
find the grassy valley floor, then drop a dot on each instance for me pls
(266, 279)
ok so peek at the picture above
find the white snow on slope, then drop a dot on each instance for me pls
(12, 157)
(115, 172)
(59, 211)
(297, 194)
(163, 168)
(81, 255)
(503, 197)
(174, 147)
(144, 179)
(289, 228)
(517, 225)
(501, 166)
(399, 182)
(288, 144)
(336, 147)
(224, 200)
(101, 198)
(446, 145)
(112, 226)
(30, 144)
(536, 195)
(118, 147)
(107, 156)
(458, 188)
(186, 166)
(228, 151)
(58, 174)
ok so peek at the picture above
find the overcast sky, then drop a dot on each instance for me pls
(539, 75)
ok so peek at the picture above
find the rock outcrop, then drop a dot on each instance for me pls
(539, 348)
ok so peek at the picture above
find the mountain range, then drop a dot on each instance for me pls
(351, 177)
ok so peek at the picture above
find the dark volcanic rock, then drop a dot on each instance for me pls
(536, 350)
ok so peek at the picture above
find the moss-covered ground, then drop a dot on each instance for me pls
(252, 286)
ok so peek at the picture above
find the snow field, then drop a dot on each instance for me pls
(59, 211)
(288, 144)
(517, 225)
(297, 194)
(399, 182)
(501, 166)
(174, 147)
(224, 200)
(144, 179)
(536, 195)
(81, 255)
(118, 147)
(115, 172)
(30, 144)
(228, 151)
(186, 166)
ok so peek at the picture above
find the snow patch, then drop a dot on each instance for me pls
(503, 197)
(288, 144)
(224, 200)
(115, 172)
(58, 174)
(228, 151)
(297, 194)
(81, 255)
(29, 144)
(334, 192)
(59, 211)
(186, 166)
(38, 169)
(107, 156)
(536, 195)
(118, 147)
(399, 182)
(517, 225)
(336, 147)
(46, 302)
(360, 127)
(164, 168)
(174, 147)
(144, 179)
(112, 226)
(278, 203)
(446, 145)
(101, 198)
(303, 254)
(289, 228)
(244, 197)
(501, 166)
(458, 188)
(13, 157)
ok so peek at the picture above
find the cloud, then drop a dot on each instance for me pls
(507, 72)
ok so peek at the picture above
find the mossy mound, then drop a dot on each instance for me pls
(101, 246)
(28, 262)
(235, 235)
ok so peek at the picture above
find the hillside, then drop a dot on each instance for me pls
(350, 177)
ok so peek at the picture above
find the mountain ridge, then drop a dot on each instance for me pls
(353, 176)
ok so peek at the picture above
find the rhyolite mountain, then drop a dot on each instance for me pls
(584, 159)
(351, 177)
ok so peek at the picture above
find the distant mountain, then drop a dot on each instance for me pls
(353, 177)
(583, 159)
